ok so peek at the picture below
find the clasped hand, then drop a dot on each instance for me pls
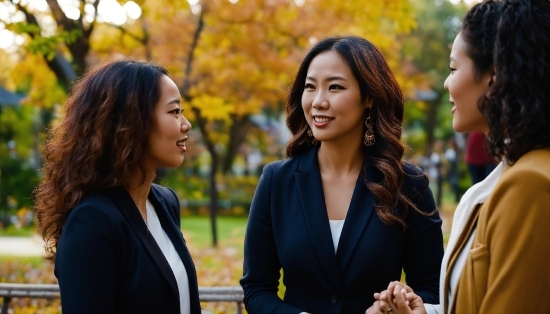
(398, 298)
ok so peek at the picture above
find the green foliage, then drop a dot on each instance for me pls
(18, 173)
(46, 46)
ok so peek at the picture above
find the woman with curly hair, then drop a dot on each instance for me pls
(343, 214)
(499, 249)
(114, 235)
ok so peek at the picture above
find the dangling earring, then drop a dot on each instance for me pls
(310, 138)
(368, 139)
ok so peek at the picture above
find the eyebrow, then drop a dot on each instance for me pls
(174, 101)
(332, 78)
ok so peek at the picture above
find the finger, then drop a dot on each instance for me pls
(391, 299)
(400, 298)
(407, 288)
(383, 295)
(377, 296)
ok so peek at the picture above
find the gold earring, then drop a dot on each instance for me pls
(310, 138)
(368, 139)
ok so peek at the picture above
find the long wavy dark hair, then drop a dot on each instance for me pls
(376, 83)
(517, 105)
(100, 141)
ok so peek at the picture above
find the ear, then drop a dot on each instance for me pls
(368, 103)
(492, 77)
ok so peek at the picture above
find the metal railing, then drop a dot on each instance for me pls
(51, 291)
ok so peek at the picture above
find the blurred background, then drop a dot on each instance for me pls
(233, 61)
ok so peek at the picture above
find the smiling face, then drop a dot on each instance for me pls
(332, 100)
(166, 145)
(465, 90)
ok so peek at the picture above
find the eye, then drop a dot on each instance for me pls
(309, 86)
(177, 111)
(452, 69)
(336, 86)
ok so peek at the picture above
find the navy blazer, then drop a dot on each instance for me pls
(288, 228)
(108, 262)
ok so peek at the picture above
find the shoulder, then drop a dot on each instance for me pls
(414, 176)
(96, 216)
(534, 163)
(164, 192)
(528, 177)
(98, 203)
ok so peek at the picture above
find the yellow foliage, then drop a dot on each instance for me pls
(213, 108)
(44, 91)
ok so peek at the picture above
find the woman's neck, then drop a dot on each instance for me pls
(139, 194)
(340, 160)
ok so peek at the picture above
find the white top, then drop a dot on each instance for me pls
(477, 194)
(171, 255)
(336, 230)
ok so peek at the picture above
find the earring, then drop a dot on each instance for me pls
(368, 139)
(310, 138)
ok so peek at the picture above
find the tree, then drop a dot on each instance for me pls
(234, 59)
(427, 49)
(231, 59)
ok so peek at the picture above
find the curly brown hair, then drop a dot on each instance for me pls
(100, 141)
(377, 83)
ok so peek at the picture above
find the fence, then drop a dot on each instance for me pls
(44, 291)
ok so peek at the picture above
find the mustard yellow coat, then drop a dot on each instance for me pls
(508, 267)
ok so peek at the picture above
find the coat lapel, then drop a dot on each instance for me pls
(312, 202)
(359, 213)
(168, 223)
(131, 213)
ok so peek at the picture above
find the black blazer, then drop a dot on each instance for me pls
(108, 262)
(288, 228)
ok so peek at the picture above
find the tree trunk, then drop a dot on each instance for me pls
(237, 135)
(431, 122)
(213, 191)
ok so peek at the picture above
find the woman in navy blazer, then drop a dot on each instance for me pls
(343, 214)
(114, 235)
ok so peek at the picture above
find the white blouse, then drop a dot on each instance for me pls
(336, 230)
(171, 255)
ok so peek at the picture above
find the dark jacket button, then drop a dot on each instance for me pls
(333, 300)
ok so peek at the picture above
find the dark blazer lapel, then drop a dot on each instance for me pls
(168, 223)
(312, 202)
(131, 213)
(359, 213)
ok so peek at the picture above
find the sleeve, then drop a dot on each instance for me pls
(518, 241)
(433, 308)
(261, 271)
(424, 242)
(86, 262)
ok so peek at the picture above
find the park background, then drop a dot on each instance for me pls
(233, 61)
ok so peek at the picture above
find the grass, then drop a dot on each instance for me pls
(12, 231)
(33, 261)
(198, 231)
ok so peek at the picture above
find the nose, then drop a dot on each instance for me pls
(320, 101)
(186, 125)
(446, 84)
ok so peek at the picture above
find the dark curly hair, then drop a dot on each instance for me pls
(377, 83)
(517, 105)
(479, 32)
(100, 141)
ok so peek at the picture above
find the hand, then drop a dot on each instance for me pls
(401, 299)
(382, 307)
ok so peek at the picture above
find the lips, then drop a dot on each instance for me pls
(321, 121)
(181, 143)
